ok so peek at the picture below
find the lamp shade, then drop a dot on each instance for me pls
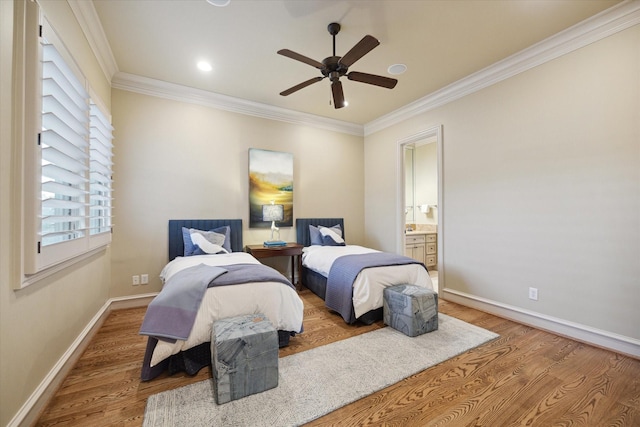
(272, 212)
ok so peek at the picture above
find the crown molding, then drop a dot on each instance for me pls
(600, 26)
(161, 89)
(91, 26)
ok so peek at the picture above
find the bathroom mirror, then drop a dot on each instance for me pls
(409, 186)
(421, 182)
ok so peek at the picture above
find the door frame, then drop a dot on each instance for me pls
(434, 131)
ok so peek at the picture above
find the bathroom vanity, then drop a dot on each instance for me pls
(422, 246)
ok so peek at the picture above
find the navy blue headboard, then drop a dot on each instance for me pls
(176, 244)
(302, 227)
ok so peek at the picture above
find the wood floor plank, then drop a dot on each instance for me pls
(525, 377)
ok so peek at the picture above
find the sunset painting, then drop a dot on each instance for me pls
(270, 182)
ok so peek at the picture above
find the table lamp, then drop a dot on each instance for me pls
(273, 213)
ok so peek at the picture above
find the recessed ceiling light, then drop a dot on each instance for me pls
(219, 3)
(397, 69)
(346, 103)
(204, 66)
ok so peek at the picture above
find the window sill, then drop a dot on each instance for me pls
(30, 279)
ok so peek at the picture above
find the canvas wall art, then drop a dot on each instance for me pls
(270, 183)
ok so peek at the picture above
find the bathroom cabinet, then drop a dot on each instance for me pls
(422, 247)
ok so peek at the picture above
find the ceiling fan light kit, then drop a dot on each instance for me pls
(333, 67)
(219, 3)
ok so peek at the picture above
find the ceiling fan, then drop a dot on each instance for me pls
(335, 67)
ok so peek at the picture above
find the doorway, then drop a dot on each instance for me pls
(420, 202)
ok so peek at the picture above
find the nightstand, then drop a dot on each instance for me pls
(292, 249)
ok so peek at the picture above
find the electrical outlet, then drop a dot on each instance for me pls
(533, 294)
(144, 279)
(135, 280)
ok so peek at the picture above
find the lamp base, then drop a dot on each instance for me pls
(274, 230)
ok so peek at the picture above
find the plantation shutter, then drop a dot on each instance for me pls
(64, 141)
(67, 152)
(101, 165)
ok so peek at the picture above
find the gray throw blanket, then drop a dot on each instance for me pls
(171, 314)
(339, 295)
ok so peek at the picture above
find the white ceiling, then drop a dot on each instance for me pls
(439, 41)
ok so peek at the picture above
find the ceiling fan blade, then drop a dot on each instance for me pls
(300, 86)
(338, 95)
(293, 55)
(372, 79)
(363, 47)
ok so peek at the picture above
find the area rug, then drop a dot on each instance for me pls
(318, 381)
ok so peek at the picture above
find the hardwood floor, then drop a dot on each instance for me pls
(526, 377)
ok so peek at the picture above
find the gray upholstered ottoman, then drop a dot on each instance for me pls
(412, 310)
(244, 353)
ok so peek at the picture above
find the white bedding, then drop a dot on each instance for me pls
(370, 283)
(280, 303)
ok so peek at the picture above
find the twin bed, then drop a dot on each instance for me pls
(351, 278)
(201, 286)
(169, 347)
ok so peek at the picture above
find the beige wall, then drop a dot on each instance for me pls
(541, 188)
(178, 160)
(39, 323)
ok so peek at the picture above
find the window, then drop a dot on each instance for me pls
(100, 171)
(64, 145)
(69, 159)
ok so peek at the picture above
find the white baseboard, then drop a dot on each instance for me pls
(586, 334)
(29, 412)
(120, 303)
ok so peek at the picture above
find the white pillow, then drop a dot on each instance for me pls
(328, 232)
(207, 246)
